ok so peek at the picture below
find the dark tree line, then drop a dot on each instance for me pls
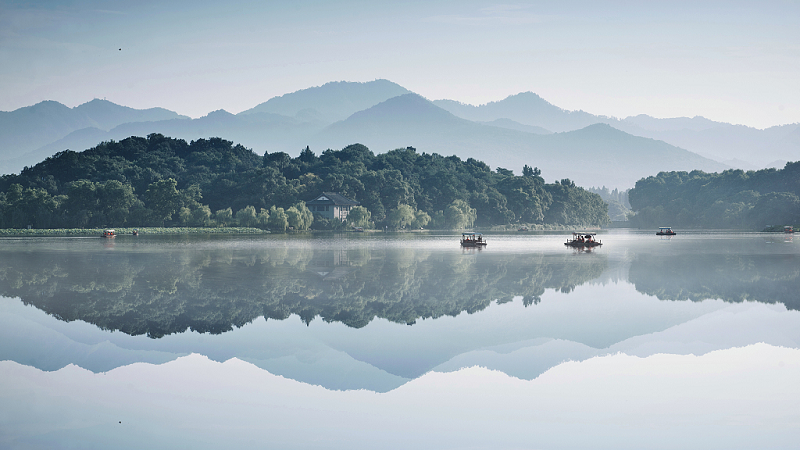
(731, 199)
(160, 181)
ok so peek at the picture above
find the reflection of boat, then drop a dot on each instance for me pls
(583, 239)
(472, 240)
(108, 234)
(665, 231)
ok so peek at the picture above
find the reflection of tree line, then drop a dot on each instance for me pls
(730, 277)
(168, 292)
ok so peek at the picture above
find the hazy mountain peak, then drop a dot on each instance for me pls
(696, 123)
(526, 108)
(103, 106)
(528, 98)
(404, 108)
(29, 128)
(601, 127)
(100, 102)
(332, 101)
(99, 107)
(220, 113)
(44, 106)
(600, 131)
(401, 121)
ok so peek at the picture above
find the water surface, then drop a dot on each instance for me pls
(376, 311)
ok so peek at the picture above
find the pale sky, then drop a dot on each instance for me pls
(735, 62)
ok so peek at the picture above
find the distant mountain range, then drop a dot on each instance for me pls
(596, 155)
(735, 145)
(521, 129)
(32, 127)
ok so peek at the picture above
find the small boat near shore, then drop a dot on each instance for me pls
(108, 234)
(471, 239)
(583, 239)
(665, 231)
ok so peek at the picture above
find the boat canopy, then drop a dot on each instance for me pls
(583, 233)
(664, 228)
(471, 234)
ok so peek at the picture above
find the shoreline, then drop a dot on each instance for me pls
(125, 231)
(128, 231)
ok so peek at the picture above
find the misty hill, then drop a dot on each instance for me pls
(602, 153)
(330, 102)
(597, 155)
(743, 146)
(727, 142)
(258, 130)
(261, 131)
(526, 108)
(512, 125)
(32, 127)
(281, 124)
(696, 123)
(290, 122)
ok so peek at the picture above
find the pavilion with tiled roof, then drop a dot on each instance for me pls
(332, 205)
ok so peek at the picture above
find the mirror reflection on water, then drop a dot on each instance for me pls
(373, 311)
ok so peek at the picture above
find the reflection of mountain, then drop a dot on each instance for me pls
(159, 286)
(159, 292)
(731, 277)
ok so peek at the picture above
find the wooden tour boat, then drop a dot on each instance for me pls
(665, 231)
(583, 239)
(470, 239)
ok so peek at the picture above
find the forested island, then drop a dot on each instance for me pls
(161, 181)
(731, 199)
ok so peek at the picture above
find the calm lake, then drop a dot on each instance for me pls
(382, 340)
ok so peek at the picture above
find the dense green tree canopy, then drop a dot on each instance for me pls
(163, 181)
(731, 199)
